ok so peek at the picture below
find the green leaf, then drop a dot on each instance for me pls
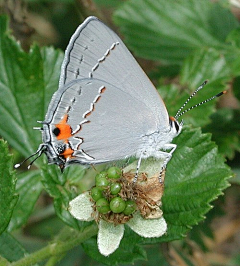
(27, 82)
(222, 21)
(195, 176)
(28, 187)
(225, 131)
(233, 38)
(233, 53)
(204, 64)
(8, 196)
(236, 85)
(62, 192)
(51, 63)
(10, 248)
(170, 30)
(44, 225)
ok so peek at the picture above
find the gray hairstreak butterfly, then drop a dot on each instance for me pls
(106, 109)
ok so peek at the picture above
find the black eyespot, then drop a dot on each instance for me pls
(56, 131)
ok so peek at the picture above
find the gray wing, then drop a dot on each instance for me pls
(95, 51)
(107, 123)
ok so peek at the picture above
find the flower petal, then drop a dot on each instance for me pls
(81, 207)
(147, 227)
(109, 237)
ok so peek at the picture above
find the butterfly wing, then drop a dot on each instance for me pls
(99, 121)
(105, 107)
(95, 51)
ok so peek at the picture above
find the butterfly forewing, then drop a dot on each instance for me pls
(95, 51)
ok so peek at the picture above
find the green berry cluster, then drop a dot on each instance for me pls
(106, 193)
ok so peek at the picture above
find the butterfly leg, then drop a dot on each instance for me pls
(137, 170)
(172, 148)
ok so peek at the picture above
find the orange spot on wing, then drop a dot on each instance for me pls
(103, 90)
(65, 128)
(67, 153)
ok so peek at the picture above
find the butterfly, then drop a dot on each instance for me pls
(106, 109)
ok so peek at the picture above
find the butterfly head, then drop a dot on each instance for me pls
(47, 147)
(176, 126)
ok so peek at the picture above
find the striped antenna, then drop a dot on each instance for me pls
(179, 113)
(39, 152)
(190, 97)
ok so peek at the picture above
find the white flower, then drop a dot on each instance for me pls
(110, 235)
(153, 225)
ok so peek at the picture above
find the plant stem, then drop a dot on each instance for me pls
(57, 248)
(54, 260)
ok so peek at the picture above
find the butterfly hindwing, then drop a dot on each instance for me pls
(100, 120)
